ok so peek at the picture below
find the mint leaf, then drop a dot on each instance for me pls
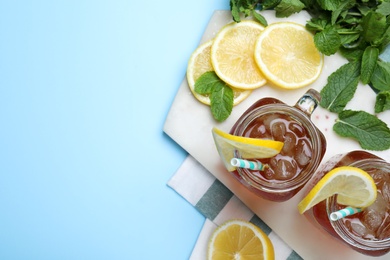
(235, 11)
(343, 6)
(374, 26)
(341, 87)
(269, 4)
(221, 101)
(316, 24)
(330, 5)
(327, 41)
(351, 54)
(368, 130)
(369, 61)
(287, 7)
(382, 101)
(384, 8)
(363, 9)
(385, 40)
(348, 37)
(380, 78)
(204, 85)
(259, 18)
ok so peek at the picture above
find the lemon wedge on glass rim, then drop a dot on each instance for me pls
(353, 186)
(200, 63)
(239, 239)
(227, 144)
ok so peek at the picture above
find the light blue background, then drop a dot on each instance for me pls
(85, 87)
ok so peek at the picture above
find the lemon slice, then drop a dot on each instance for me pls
(227, 144)
(238, 239)
(353, 186)
(199, 63)
(286, 54)
(232, 55)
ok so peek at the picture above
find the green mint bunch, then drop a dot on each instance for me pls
(360, 31)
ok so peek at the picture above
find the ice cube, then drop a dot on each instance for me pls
(386, 192)
(297, 129)
(355, 227)
(375, 174)
(380, 206)
(384, 230)
(262, 129)
(278, 130)
(372, 219)
(257, 130)
(289, 144)
(268, 120)
(303, 152)
(358, 229)
(269, 172)
(285, 170)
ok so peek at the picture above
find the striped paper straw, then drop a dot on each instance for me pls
(236, 162)
(343, 213)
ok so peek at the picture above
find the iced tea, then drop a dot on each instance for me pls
(304, 146)
(367, 232)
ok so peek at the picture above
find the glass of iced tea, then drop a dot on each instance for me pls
(304, 145)
(367, 232)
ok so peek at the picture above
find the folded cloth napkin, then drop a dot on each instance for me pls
(218, 204)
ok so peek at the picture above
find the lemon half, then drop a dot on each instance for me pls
(238, 239)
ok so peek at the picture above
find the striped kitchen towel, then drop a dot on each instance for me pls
(218, 204)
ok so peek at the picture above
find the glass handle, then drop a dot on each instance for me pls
(309, 101)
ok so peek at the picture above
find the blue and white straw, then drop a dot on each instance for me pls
(343, 213)
(241, 163)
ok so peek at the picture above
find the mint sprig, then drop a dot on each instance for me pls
(221, 95)
(246, 8)
(367, 129)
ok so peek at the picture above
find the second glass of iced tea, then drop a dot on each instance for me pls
(303, 150)
(367, 232)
